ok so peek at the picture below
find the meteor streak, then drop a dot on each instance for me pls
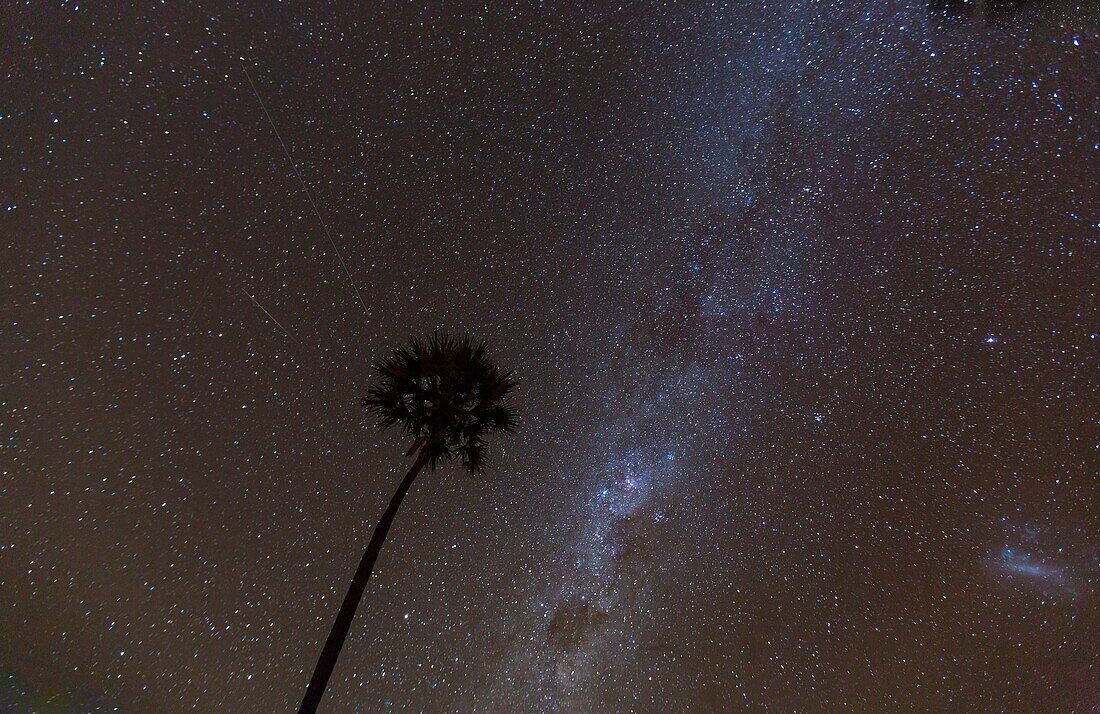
(305, 188)
(269, 315)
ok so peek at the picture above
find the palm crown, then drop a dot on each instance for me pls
(447, 395)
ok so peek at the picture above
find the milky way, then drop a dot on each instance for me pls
(801, 298)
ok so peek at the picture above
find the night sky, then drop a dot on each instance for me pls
(801, 297)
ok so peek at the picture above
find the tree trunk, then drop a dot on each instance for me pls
(339, 632)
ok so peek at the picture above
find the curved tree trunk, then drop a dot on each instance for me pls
(339, 632)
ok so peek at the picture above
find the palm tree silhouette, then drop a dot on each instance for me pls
(447, 396)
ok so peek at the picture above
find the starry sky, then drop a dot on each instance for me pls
(801, 297)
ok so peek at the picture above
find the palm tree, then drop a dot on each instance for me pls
(447, 397)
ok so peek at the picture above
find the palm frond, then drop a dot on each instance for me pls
(447, 395)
